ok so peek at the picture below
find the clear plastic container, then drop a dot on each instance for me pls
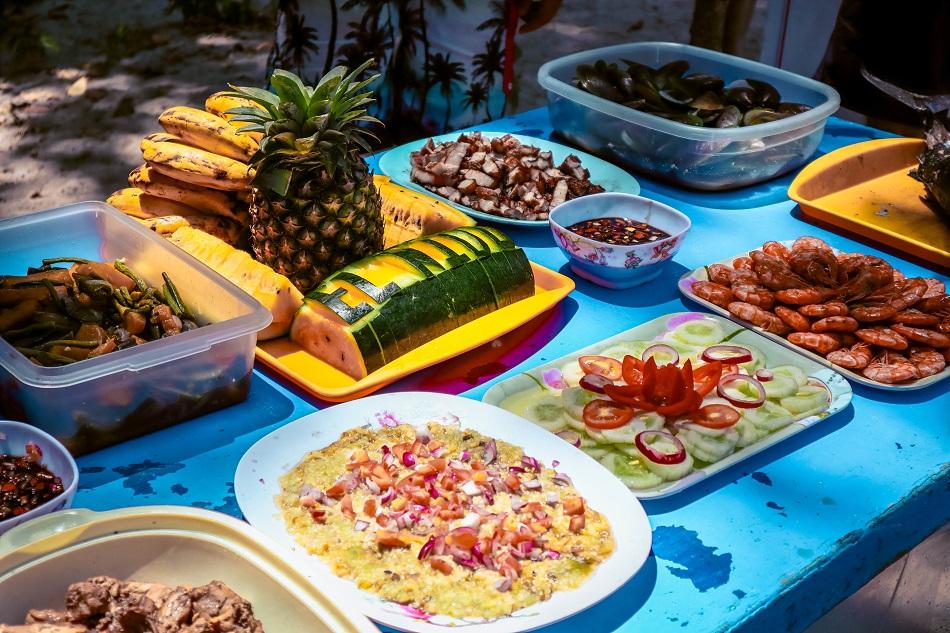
(689, 156)
(105, 400)
(170, 545)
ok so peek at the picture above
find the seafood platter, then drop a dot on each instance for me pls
(852, 311)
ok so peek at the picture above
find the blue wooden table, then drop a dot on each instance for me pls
(769, 545)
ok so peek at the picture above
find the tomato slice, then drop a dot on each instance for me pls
(604, 414)
(649, 379)
(716, 416)
(690, 402)
(707, 377)
(609, 368)
(632, 370)
(670, 385)
(626, 394)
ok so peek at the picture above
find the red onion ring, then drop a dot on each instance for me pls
(594, 382)
(656, 456)
(425, 549)
(738, 356)
(660, 347)
(764, 375)
(737, 402)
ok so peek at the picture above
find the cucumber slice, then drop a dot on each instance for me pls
(623, 435)
(576, 425)
(572, 373)
(685, 350)
(597, 452)
(542, 407)
(758, 358)
(626, 348)
(748, 434)
(806, 398)
(587, 441)
(574, 398)
(597, 436)
(697, 451)
(553, 425)
(793, 372)
(769, 417)
(698, 332)
(716, 446)
(630, 471)
(669, 472)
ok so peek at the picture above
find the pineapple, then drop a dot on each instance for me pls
(314, 207)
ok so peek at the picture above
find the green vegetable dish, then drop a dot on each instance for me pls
(653, 411)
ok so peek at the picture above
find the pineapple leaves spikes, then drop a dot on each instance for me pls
(267, 99)
(289, 88)
(277, 180)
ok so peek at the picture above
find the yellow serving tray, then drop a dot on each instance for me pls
(317, 377)
(865, 188)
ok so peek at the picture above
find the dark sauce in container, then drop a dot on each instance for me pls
(25, 483)
(621, 231)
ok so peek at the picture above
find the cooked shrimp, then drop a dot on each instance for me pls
(916, 318)
(792, 319)
(756, 295)
(835, 324)
(719, 274)
(713, 293)
(774, 273)
(803, 296)
(817, 265)
(934, 304)
(822, 310)
(820, 343)
(928, 361)
(891, 368)
(807, 241)
(757, 316)
(935, 288)
(858, 356)
(883, 337)
(922, 336)
(873, 313)
(742, 262)
(776, 249)
(899, 276)
(860, 277)
(910, 293)
(944, 326)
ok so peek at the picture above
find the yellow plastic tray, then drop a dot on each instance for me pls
(865, 188)
(317, 377)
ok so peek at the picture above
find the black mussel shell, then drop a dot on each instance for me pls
(756, 116)
(703, 82)
(673, 69)
(707, 101)
(741, 96)
(636, 104)
(730, 117)
(676, 97)
(790, 107)
(600, 87)
(682, 117)
(765, 93)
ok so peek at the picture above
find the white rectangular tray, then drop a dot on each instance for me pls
(685, 286)
(775, 355)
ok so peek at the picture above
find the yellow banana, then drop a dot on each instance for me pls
(219, 103)
(196, 166)
(222, 229)
(162, 137)
(203, 199)
(138, 204)
(207, 131)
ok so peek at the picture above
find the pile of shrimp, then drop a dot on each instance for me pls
(856, 310)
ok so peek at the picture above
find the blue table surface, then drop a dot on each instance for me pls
(768, 545)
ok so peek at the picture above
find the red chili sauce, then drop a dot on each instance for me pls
(25, 483)
(621, 231)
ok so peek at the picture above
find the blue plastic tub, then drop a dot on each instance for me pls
(698, 158)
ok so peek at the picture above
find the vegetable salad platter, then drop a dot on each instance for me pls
(441, 511)
(674, 400)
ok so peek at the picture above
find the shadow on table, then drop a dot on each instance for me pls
(915, 396)
(653, 293)
(264, 409)
(754, 463)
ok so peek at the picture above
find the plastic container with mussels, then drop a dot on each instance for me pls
(690, 156)
(170, 545)
(101, 401)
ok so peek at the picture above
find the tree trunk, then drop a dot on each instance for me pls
(709, 23)
(331, 43)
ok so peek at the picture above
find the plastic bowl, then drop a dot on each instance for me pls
(14, 436)
(689, 156)
(101, 401)
(612, 265)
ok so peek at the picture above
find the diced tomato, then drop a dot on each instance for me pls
(420, 496)
(319, 516)
(609, 368)
(513, 482)
(369, 507)
(357, 457)
(337, 490)
(438, 464)
(716, 416)
(383, 520)
(604, 414)
(346, 507)
(462, 537)
(416, 447)
(477, 465)
(707, 377)
(426, 469)
(573, 505)
(435, 445)
(577, 523)
(440, 565)
(390, 539)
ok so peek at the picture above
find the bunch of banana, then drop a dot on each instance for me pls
(195, 172)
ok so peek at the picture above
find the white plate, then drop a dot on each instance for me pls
(397, 165)
(774, 355)
(685, 285)
(256, 485)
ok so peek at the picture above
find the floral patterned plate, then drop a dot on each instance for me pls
(396, 164)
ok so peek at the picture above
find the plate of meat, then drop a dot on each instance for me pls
(852, 311)
(501, 177)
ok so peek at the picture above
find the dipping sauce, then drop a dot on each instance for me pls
(621, 231)
(25, 483)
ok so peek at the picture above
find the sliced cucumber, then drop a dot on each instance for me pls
(696, 450)
(597, 436)
(623, 435)
(748, 433)
(698, 332)
(806, 398)
(793, 372)
(652, 421)
(597, 452)
(626, 348)
(685, 350)
(574, 399)
(716, 446)
(769, 417)
(576, 424)
(587, 441)
(758, 358)
(630, 471)
(542, 407)
(572, 373)
(669, 472)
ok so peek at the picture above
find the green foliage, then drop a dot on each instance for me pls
(226, 11)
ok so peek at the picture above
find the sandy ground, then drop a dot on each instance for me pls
(71, 130)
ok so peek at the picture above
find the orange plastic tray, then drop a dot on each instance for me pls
(865, 188)
(317, 377)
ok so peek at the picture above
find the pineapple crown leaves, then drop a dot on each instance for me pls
(308, 127)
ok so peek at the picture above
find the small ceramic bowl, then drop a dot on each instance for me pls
(612, 265)
(14, 437)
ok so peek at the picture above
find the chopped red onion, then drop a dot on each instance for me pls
(502, 584)
(437, 452)
(471, 520)
(751, 403)
(359, 525)
(532, 484)
(553, 378)
(408, 459)
(552, 554)
(727, 354)
(372, 485)
(516, 469)
(471, 488)
(423, 435)
(388, 496)
(555, 463)
(551, 498)
(531, 463)
(491, 452)
(427, 548)
(571, 437)
(594, 382)
(433, 491)
(764, 375)
(465, 455)
(562, 479)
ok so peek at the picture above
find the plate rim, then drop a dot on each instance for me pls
(630, 562)
(699, 274)
(841, 395)
(587, 159)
